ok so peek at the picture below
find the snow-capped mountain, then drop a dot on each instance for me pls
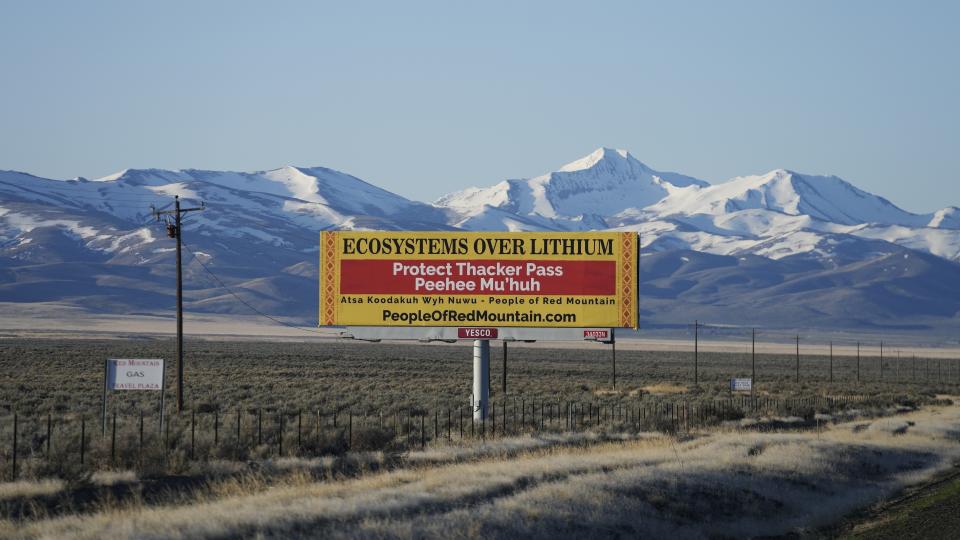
(783, 246)
(578, 195)
(775, 215)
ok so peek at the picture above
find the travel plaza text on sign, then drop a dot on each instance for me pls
(549, 280)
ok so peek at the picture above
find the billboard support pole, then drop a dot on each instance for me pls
(481, 379)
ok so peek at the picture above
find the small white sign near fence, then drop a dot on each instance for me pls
(135, 374)
(741, 385)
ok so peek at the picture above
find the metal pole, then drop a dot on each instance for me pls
(504, 368)
(481, 379)
(103, 411)
(858, 361)
(176, 201)
(613, 344)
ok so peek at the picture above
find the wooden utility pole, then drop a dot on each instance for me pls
(798, 358)
(831, 361)
(174, 230)
(881, 361)
(858, 361)
(696, 352)
(753, 362)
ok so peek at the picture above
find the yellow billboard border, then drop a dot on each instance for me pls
(628, 270)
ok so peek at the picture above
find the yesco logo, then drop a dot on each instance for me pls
(477, 333)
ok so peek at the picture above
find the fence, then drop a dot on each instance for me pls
(71, 445)
(811, 360)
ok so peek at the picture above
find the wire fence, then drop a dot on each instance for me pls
(71, 445)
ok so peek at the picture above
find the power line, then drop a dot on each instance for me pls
(244, 302)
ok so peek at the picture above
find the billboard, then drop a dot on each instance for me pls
(488, 279)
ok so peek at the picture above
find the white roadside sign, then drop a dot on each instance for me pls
(741, 385)
(134, 374)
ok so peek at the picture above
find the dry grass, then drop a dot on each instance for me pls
(718, 483)
(26, 488)
(663, 389)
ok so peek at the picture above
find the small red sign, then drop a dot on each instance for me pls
(477, 333)
(596, 334)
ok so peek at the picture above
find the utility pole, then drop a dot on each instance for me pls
(753, 362)
(831, 361)
(858, 361)
(881, 361)
(798, 358)
(174, 230)
(696, 352)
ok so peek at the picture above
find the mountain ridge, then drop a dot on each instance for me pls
(95, 243)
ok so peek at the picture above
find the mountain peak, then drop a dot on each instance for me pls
(600, 154)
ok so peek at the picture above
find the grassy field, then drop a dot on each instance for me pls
(706, 484)
(377, 403)
(40, 376)
(931, 513)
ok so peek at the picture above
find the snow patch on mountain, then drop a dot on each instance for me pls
(825, 198)
(948, 218)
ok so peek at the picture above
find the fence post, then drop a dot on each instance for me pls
(280, 435)
(423, 437)
(299, 431)
(350, 431)
(259, 426)
(49, 432)
(216, 427)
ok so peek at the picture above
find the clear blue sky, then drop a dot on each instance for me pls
(423, 98)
